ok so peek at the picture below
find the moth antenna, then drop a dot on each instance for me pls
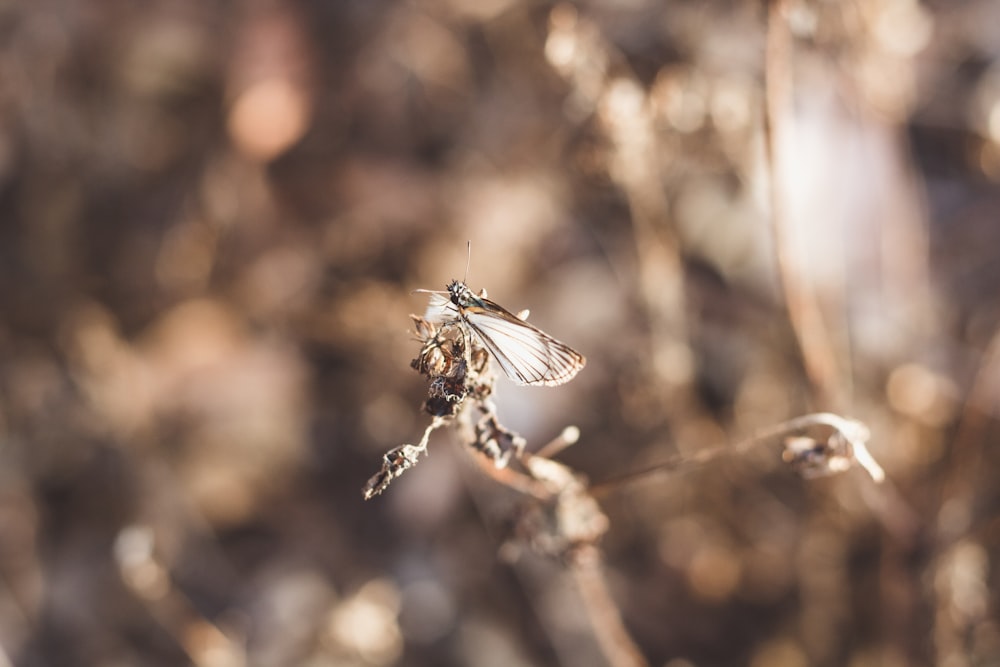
(468, 260)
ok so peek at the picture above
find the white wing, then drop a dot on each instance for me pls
(440, 309)
(528, 355)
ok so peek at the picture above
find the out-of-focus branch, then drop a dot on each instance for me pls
(804, 312)
(606, 619)
(601, 81)
(843, 448)
(981, 405)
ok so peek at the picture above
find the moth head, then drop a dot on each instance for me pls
(460, 293)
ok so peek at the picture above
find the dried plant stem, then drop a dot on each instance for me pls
(400, 459)
(854, 433)
(521, 482)
(636, 169)
(614, 639)
(583, 560)
(967, 448)
(513, 479)
(804, 312)
(565, 506)
(568, 437)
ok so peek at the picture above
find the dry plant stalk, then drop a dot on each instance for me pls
(804, 311)
(461, 383)
(602, 83)
(814, 445)
(560, 516)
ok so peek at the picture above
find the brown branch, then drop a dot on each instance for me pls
(615, 641)
(815, 345)
(843, 449)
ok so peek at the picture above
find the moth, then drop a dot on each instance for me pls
(527, 355)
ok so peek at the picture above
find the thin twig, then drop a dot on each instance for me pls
(804, 312)
(853, 432)
(967, 447)
(614, 639)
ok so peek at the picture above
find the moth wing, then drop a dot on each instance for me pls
(527, 355)
(440, 309)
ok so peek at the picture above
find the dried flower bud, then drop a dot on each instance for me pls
(394, 463)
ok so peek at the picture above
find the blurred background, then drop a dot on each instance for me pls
(212, 218)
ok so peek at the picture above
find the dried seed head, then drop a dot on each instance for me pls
(394, 463)
(498, 443)
(453, 374)
(842, 449)
(816, 458)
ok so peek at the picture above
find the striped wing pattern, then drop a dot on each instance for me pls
(528, 355)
